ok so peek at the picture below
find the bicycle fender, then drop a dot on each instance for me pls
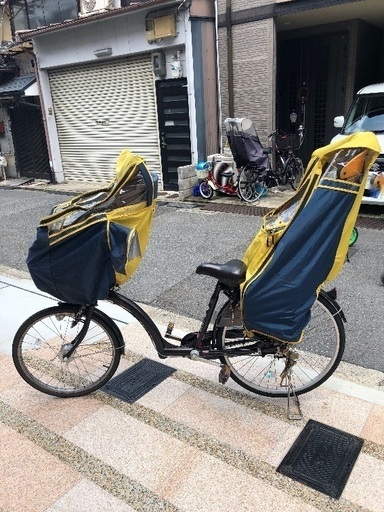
(330, 296)
(115, 328)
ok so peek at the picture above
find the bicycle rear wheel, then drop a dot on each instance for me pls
(318, 354)
(42, 340)
(250, 187)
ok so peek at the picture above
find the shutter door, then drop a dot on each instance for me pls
(100, 109)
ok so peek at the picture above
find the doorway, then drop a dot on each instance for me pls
(311, 77)
(174, 129)
(31, 153)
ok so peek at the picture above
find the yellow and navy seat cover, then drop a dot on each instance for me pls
(96, 240)
(304, 242)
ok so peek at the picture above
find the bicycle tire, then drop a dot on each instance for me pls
(46, 332)
(249, 186)
(295, 171)
(205, 190)
(320, 352)
(280, 171)
(354, 236)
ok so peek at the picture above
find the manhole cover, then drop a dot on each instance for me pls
(135, 382)
(322, 457)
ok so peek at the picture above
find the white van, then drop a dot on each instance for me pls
(367, 115)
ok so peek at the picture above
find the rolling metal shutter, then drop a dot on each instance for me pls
(100, 109)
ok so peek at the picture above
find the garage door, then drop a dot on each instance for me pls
(100, 109)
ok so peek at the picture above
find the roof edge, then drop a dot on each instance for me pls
(25, 35)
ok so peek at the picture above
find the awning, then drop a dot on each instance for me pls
(16, 86)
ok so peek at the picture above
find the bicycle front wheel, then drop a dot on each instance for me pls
(250, 188)
(295, 171)
(205, 190)
(280, 171)
(354, 236)
(318, 354)
(43, 339)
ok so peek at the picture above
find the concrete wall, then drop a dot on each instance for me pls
(187, 181)
(125, 35)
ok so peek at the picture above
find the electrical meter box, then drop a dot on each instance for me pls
(158, 64)
(158, 27)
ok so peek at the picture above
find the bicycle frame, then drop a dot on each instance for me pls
(230, 188)
(199, 349)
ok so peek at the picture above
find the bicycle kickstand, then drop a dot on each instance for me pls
(295, 412)
(286, 374)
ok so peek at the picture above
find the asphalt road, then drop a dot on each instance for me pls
(182, 238)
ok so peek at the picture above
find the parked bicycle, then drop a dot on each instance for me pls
(288, 166)
(255, 172)
(219, 177)
(71, 350)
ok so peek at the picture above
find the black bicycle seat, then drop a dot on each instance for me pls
(233, 272)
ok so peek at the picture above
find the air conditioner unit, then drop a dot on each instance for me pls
(159, 27)
(88, 7)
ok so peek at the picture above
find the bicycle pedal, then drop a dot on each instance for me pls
(224, 374)
(170, 327)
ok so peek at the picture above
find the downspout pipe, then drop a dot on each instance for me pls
(219, 108)
(228, 22)
(43, 112)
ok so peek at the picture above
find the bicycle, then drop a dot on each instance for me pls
(222, 178)
(289, 167)
(72, 350)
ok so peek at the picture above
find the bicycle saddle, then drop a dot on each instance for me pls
(233, 272)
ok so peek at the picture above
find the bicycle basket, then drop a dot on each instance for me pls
(288, 141)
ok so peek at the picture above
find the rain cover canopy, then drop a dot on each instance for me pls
(95, 241)
(304, 242)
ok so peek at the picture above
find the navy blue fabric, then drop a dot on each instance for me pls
(119, 236)
(78, 270)
(278, 302)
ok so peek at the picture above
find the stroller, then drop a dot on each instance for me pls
(253, 175)
(245, 144)
(252, 160)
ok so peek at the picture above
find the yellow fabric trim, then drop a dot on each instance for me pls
(337, 189)
(62, 235)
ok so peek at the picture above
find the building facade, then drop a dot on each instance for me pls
(160, 76)
(142, 77)
(303, 56)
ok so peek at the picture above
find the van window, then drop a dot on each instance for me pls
(366, 115)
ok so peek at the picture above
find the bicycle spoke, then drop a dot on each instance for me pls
(40, 349)
(303, 366)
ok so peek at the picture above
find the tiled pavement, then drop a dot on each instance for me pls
(189, 445)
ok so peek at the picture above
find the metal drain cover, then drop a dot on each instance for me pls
(135, 382)
(322, 457)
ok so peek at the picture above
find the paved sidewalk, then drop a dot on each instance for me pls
(274, 197)
(189, 445)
